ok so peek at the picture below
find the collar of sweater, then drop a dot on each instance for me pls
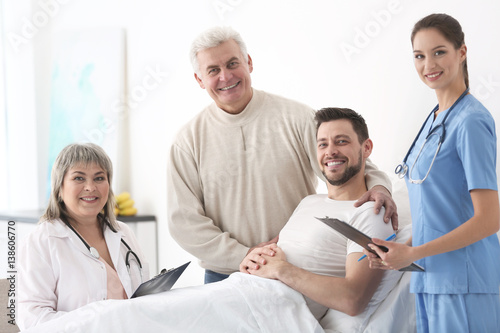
(251, 111)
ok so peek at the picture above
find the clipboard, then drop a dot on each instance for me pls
(161, 282)
(362, 239)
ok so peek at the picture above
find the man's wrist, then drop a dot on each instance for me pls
(284, 272)
(382, 188)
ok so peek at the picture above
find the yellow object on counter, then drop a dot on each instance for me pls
(125, 205)
(130, 211)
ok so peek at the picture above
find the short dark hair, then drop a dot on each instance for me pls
(357, 121)
(450, 28)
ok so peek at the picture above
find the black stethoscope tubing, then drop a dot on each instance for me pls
(401, 167)
(95, 254)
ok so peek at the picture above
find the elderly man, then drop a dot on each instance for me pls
(240, 167)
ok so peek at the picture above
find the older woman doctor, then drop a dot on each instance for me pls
(450, 171)
(78, 253)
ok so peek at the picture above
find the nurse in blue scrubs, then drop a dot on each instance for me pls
(450, 171)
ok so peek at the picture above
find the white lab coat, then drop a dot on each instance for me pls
(57, 274)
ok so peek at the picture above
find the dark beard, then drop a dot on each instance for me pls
(348, 173)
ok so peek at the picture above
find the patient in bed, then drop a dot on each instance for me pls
(289, 286)
(313, 258)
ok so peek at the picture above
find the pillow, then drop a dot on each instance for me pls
(336, 321)
(402, 200)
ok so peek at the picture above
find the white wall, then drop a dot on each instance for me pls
(20, 138)
(297, 50)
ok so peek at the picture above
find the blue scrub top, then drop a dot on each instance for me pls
(466, 161)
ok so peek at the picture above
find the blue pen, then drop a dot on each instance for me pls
(391, 237)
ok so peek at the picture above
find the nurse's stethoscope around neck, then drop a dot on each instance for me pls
(402, 168)
(94, 253)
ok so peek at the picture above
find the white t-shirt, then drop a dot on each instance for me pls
(314, 246)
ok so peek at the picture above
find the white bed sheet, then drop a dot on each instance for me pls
(397, 311)
(393, 310)
(241, 303)
(395, 314)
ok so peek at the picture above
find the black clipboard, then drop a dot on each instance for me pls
(362, 239)
(161, 282)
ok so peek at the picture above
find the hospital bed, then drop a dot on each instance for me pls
(245, 303)
(242, 303)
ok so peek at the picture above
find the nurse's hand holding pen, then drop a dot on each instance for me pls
(398, 256)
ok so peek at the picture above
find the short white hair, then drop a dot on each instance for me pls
(212, 38)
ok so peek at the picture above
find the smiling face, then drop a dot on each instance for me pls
(340, 154)
(437, 62)
(225, 74)
(85, 191)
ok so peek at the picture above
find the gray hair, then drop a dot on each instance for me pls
(212, 38)
(71, 155)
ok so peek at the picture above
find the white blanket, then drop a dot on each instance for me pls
(241, 303)
(393, 307)
(395, 314)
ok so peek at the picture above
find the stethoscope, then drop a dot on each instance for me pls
(402, 169)
(94, 253)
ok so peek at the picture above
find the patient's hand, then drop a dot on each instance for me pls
(255, 258)
(382, 197)
(273, 265)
